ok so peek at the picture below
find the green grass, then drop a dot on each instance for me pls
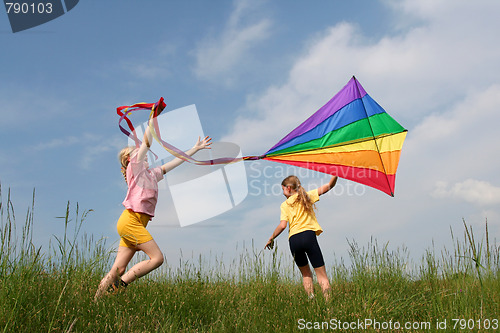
(52, 290)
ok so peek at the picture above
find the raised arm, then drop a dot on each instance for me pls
(327, 187)
(147, 139)
(146, 143)
(200, 144)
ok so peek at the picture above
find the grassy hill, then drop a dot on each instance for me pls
(379, 291)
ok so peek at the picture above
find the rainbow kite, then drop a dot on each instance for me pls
(351, 136)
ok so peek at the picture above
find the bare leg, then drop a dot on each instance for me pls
(123, 257)
(144, 267)
(307, 280)
(323, 281)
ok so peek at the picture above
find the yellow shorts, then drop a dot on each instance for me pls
(131, 227)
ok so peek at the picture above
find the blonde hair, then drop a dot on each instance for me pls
(124, 158)
(302, 197)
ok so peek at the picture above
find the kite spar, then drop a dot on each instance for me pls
(351, 136)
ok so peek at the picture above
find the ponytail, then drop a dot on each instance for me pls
(124, 173)
(302, 197)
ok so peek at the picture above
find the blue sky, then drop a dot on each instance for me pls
(255, 70)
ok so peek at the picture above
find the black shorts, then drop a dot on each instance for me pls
(305, 245)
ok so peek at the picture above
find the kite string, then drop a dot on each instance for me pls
(155, 131)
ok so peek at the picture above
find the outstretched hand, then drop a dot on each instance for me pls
(203, 144)
(269, 244)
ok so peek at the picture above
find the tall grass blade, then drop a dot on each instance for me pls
(57, 306)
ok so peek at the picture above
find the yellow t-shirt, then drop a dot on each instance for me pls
(299, 220)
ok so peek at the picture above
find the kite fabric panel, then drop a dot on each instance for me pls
(351, 136)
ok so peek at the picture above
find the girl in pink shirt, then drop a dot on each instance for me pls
(139, 203)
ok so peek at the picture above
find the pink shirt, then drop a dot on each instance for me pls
(142, 193)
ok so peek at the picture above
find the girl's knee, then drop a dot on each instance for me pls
(158, 261)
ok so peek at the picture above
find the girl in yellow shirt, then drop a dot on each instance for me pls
(298, 211)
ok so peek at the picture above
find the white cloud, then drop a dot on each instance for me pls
(152, 65)
(222, 57)
(89, 147)
(27, 107)
(147, 70)
(94, 147)
(434, 10)
(461, 140)
(56, 143)
(474, 191)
